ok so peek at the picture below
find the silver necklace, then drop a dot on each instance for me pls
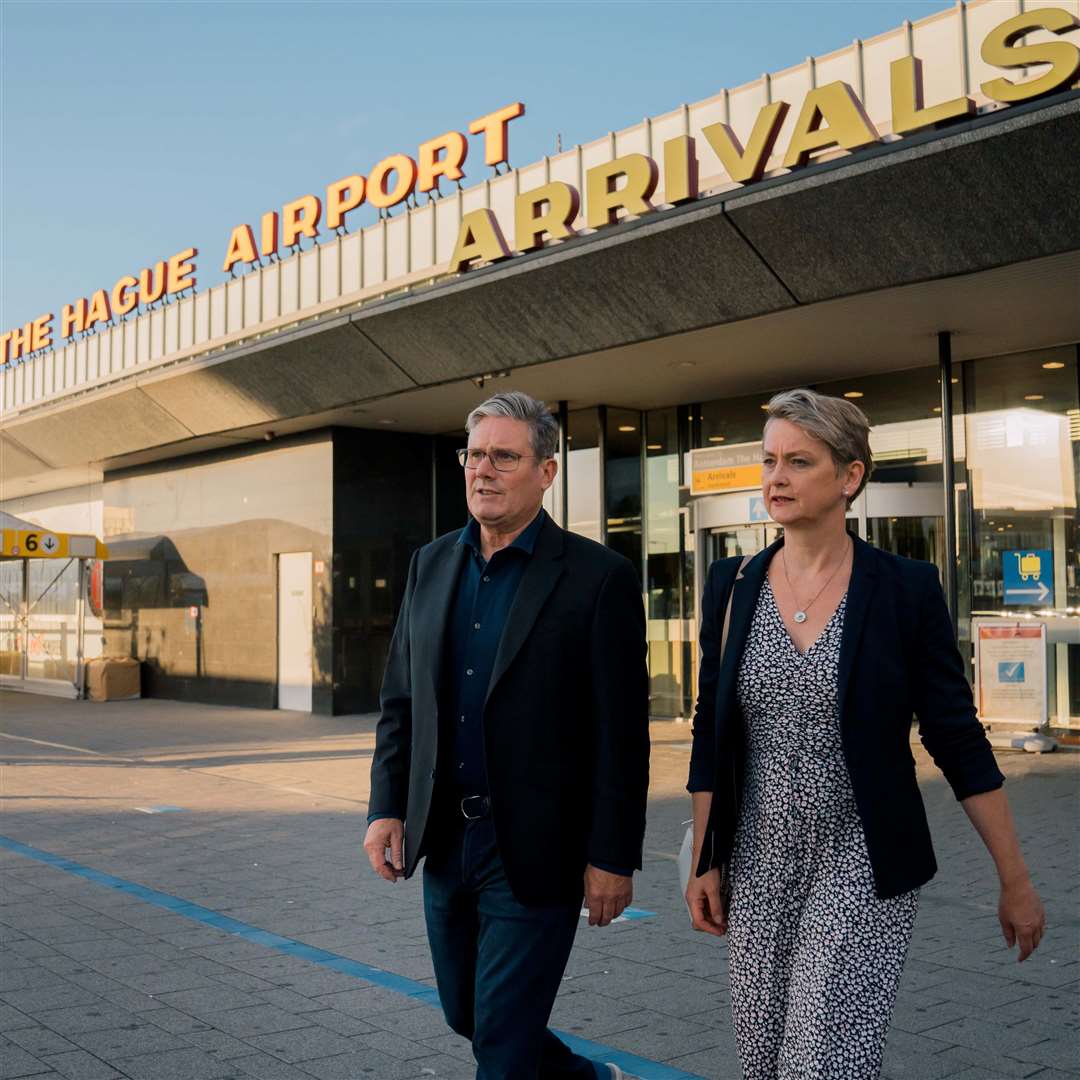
(800, 614)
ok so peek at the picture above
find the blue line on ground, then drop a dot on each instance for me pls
(594, 1051)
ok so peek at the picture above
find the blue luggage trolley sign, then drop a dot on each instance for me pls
(1028, 577)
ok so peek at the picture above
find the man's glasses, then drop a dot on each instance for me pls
(502, 460)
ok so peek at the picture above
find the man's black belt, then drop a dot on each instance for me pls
(475, 807)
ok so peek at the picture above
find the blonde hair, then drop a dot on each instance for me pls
(841, 425)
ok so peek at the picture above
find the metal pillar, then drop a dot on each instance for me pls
(24, 620)
(601, 419)
(948, 473)
(80, 632)
(564, 464)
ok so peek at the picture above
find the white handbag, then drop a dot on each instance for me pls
(686, 855)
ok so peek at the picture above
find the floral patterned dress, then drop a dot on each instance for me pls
(815, 955)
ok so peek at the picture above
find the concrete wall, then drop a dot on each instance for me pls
(203, 534)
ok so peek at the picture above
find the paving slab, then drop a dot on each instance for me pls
(176, 1065)
(80, 1065)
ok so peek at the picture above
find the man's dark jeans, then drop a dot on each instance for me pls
(498, 963)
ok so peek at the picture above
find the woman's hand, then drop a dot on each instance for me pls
(1020, 910)
(707, 910)
(1021, 915)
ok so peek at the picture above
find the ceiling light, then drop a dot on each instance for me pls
(627, 427)
(854, 394)
(936, 408)
(954, 380)
(654, 446)
(1053, 365)
(716, 438)
(765, 407)
(1033, 397)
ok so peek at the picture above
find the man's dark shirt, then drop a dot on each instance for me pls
(483, 599)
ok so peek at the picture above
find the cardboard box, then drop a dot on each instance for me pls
(113, 678)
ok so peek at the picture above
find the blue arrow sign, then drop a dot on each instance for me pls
(757, 509)
(1028, 576)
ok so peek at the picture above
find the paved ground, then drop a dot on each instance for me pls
(239, 935)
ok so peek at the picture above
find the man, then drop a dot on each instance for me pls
(512, 750)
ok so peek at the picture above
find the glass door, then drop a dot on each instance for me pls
(739, 540)
(913, 537)
(907, 519)
(52, 619)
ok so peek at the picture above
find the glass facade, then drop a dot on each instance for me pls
(583, 474)
(622, 482)
(11, 598)
(668, 564)
(1016, 448)
(52, 623)
(1017, 492)
(381, 515)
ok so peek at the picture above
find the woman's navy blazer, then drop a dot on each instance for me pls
(898, 660)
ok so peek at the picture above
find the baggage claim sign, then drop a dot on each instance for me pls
(830, 117)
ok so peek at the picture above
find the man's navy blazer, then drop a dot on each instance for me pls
(566, 725)
(898, 660)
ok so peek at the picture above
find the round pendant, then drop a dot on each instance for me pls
(800, 616)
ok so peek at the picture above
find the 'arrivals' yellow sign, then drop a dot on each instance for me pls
(830, 117)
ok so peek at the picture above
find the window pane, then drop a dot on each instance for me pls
(668, 624)
(623, 483)
(583, 473)
(1022, 442)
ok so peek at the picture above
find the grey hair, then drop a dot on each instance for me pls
(841, 425)
(515, 405)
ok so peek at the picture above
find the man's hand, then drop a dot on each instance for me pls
(707, 910)
(382, 834)
(606, 895)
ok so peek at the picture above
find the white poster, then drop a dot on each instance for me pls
(1010, 662)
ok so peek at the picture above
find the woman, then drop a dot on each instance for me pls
(801, 775)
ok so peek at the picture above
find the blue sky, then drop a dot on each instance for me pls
(133, 130)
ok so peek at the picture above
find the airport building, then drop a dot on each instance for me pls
(896, 222)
